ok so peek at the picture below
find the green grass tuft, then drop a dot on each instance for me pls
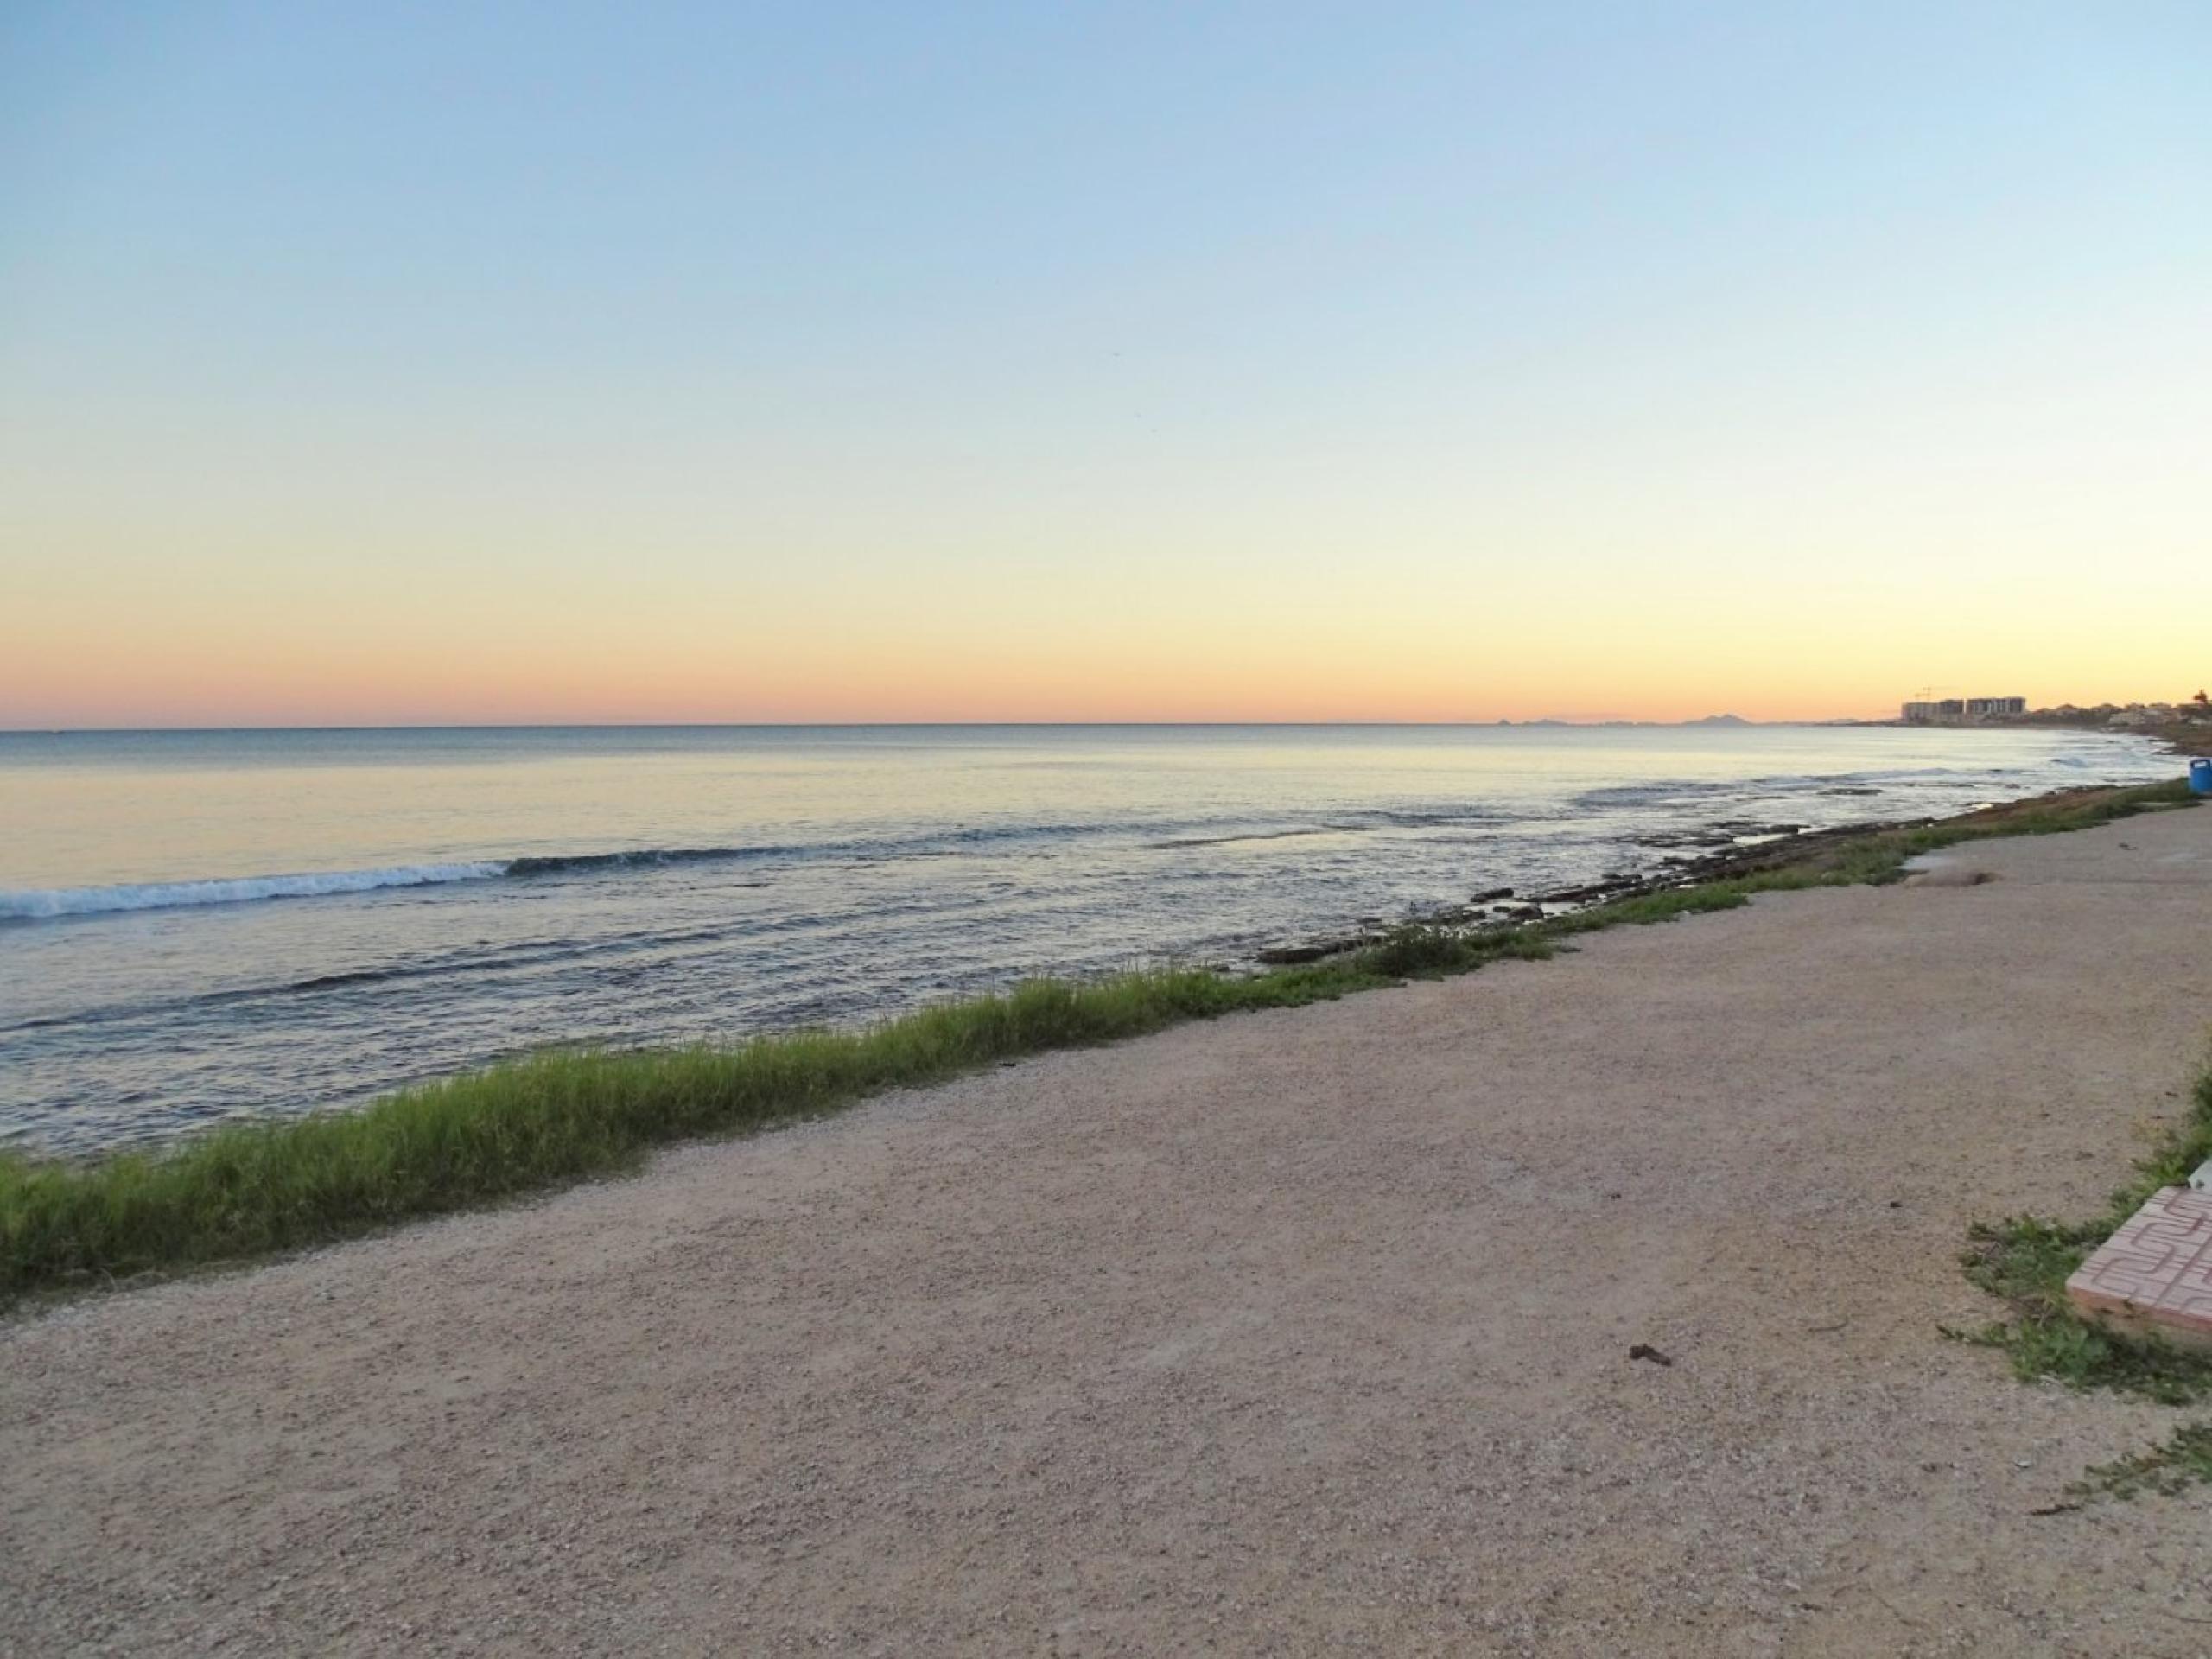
(249, 1190)
(1428, 952)
(2184, 1460)
(2025, 1262)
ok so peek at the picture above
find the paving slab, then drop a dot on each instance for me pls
(2154, 1276)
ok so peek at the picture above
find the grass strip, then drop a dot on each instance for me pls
(254, 1189)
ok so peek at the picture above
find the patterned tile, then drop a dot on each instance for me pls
(2155, 1273)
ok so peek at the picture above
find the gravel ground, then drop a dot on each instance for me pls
(1300, 1333)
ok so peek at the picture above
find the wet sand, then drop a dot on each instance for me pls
(1300, 1333)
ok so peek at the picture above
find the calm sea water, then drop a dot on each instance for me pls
(197, 924)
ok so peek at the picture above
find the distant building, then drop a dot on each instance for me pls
(1963, 711)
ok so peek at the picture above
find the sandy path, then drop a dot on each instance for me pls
(1300, 1333)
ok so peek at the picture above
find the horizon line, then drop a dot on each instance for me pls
(858, 725)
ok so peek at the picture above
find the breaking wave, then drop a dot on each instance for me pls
(36, 903)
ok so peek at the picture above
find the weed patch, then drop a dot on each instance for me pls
(2184, 1460)
(2025, 1262)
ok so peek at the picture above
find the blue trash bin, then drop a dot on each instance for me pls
(2200, 777)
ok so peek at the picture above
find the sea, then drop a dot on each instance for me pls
(201, 926)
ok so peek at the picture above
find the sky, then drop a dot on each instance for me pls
(389, 363)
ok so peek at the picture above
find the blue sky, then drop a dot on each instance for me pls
(982, 360)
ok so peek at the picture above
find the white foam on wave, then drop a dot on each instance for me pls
(38, 903)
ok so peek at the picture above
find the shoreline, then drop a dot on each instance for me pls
(2188, 738)
(245, 1192)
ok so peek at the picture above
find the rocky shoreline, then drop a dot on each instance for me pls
(1724, 850)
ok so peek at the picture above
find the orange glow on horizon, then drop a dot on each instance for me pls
(551, 675)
